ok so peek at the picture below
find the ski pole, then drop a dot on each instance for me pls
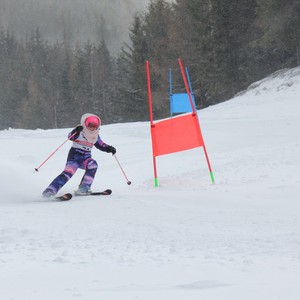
(36, 169)
(128, 181)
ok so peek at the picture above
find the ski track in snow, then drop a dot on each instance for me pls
(186, 239)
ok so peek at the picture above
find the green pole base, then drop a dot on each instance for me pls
(212, 177)
(156, 182)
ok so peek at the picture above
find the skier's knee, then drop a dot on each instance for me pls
(70, 170)
(92, 164)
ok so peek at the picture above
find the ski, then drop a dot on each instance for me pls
(64, 197)
(103, 193)
(68, 196)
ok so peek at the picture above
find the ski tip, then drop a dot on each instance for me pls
(65, 197)
(108, 191)
(105, 193)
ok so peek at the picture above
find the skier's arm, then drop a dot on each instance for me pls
(76, 131)
(104, 147)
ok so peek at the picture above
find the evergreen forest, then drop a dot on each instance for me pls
(226, 46)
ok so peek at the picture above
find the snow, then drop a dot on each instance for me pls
(186, 239)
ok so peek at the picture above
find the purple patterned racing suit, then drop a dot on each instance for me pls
(79, 157)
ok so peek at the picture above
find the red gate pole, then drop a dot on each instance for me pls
(194, 112)
(151, 121)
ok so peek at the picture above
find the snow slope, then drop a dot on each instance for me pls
(187, 239)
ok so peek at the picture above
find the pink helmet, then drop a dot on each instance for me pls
(92, 121)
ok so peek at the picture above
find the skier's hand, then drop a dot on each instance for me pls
(111, 149)
(77, 129)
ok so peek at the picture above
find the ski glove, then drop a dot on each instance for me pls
(111, 149)
(77, 129)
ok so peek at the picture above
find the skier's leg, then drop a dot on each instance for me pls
(70, 169)
(90, 166)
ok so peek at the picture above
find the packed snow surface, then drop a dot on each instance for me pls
(186, 239)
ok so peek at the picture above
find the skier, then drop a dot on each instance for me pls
(84, 137)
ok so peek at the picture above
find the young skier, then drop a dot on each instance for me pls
(84, 137)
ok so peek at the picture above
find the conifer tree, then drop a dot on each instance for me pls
(131, 73)
(12, 84)
(279, 21)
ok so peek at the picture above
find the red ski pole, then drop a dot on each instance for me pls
(36, 169)
(128, 181)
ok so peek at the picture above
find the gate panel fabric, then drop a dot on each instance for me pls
(176, 134)
(180, 103)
